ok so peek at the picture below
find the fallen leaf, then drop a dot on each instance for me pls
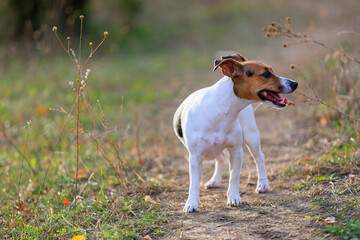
(147, 237)
(316, 193)
(79, 237)
(323, 121)
(81, 174)
(330, 220)
(66, 202)
(150, 200)
(23, 208)
(41, 111)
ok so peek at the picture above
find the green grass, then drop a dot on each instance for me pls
(351, 230)
(333, 184)
(107, 218)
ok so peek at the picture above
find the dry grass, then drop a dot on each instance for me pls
(329, 174)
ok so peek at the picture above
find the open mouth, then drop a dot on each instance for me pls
(267, 95)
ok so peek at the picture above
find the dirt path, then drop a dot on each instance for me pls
(278, 214)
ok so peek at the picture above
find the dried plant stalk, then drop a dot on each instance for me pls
(79, 68)
(287, 29)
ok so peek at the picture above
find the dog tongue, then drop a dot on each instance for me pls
(274, 97)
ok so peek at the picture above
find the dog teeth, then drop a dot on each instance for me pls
(265, 93)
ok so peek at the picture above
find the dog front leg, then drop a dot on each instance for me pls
(236, 159)
(252, 140)
(195, 165)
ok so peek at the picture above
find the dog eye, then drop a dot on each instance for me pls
(267, 74)
(249, 73)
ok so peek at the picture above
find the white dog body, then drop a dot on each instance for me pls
(213, 119)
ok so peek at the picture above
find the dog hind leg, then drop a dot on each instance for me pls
(215, 180)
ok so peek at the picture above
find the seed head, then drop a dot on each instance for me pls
(81, 17)
(284, 45)
(272, 24)
(54, 29)
(292, 66)
(90, 44)
(265, 29)
(106, 34)
(288, 19)
(81, 89)
(268, 35)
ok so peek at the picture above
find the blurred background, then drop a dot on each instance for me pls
(150, 45)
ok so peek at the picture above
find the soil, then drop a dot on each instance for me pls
(279, 214)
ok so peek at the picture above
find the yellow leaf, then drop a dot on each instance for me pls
(330, 220)
(81, 174)
(323, 121)
(78, 237)
(33, 162)
(41, 111)
(150, 200)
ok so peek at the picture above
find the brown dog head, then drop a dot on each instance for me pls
(255, 80)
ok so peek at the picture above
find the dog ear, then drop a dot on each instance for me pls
(216, 63)
(229, 67)
(236, 56)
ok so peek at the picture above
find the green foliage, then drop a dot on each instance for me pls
(333, 183)
(350, 230)
(107, 218)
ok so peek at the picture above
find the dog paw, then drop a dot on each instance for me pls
(234, 200)
(212, 183)
(189, 208)
(262, 186)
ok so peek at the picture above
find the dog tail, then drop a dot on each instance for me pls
(177, 123)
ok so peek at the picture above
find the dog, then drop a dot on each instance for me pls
(221, 117)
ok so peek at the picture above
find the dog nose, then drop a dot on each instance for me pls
(293, 85)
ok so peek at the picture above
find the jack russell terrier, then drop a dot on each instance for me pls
(220, 117)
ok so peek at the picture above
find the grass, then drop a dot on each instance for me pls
(40, 197)
(330, 176)
(98, 216)
(332, 182)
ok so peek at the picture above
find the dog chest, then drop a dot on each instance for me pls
(213, 144)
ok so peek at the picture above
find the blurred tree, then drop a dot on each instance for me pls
(65, 13)
(130, 9)
(31, 15)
